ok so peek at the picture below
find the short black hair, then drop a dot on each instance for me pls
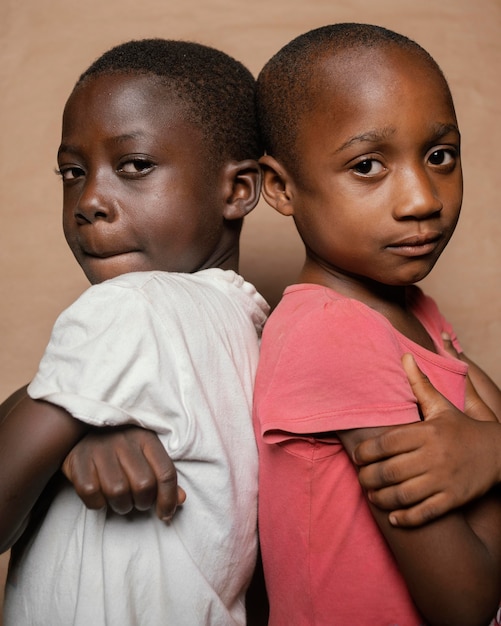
(285, 84)
(218, 90)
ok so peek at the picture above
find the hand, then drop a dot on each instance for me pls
(124, 468)
(434, 466)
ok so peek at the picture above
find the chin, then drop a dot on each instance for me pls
(99, 269)
(95, 277)
(420, 273)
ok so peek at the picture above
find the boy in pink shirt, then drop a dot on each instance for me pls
(363, 151)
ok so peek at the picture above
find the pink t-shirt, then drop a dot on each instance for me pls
(330, 363)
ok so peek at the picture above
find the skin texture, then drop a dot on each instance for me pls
(392, 483)
(375, 197)
(138, 195)
(377, 182)
(126, 177)
(423, 470)
(124, 469)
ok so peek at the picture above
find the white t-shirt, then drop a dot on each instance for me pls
(175, 353)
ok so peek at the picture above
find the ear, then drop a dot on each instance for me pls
(242, 187)
(276, 185)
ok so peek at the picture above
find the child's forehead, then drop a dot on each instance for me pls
(344, 70)
(128, 110)
(359, 76)
(102, 85)
(373, 93)
(120, 96)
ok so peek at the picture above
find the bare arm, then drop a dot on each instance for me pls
(35, 437)
(423, 470)
(11, 402)
(122, 468)
(452, 566)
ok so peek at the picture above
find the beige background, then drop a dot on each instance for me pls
(45, 46)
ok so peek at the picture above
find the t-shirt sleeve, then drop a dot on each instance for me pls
(103, 359)
(339, 368)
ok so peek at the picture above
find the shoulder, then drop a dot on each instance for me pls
(136, 293)
(320, 332)
(113, 293)
(202, 290)
(311, 311)
(235, 286)
(330, 362)
(111, 308)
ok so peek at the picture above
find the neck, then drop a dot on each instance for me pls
(226, 259)
(388, 300)
(378, 296)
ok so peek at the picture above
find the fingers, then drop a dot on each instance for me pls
(85, 481)
(431, 402)
(129, 483)
(414, 501)
(423, 513)
(168, 494)
(393, 441)
(431, 472)
(402, 495)
(97, 475)
(390, 472)
(124, 469)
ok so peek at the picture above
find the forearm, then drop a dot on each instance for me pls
(452, 573)
(451, 566)
(35, 437)
(14, 399)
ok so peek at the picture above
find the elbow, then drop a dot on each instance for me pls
(483, 619)
(6, 543)
(465, 610)
(8, 537)
(7, 540)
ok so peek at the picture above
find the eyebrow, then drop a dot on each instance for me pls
(64, 147)
(371, 136)
(137, 134)
(70, 149)
(438, 131)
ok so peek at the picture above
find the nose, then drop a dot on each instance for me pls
(93, 203)
(418, 196)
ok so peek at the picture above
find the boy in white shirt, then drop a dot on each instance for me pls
(158, 162)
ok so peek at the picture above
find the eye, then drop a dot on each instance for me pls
(443, 157)
(368, 167)
(136, 166)
(70, 172)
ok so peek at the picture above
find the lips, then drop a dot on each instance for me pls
(104, 247)
(416, 245)
(105, 254)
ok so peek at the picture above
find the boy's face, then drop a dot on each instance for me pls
(138, 192)
(378, 188)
